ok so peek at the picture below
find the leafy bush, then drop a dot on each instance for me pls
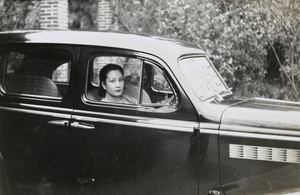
(237, 35)
(255, 45)
(83, 14)
(19, 14)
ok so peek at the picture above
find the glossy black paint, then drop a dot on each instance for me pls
(73, 145)
(238, 176)
(128, 152)
(269, 126)
(36, 153)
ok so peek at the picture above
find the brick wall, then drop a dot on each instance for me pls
(106, 19)
(54, 14)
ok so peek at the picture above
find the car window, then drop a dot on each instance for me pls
(202, 77)
(144, 83)
(132, 71)
(157, 86)
(37, 72)
(131, 66)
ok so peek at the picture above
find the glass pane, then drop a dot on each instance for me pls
(132, 69)
(36, 73)
(159, 82)
(156, 88)
(62, 73)
(202, 77)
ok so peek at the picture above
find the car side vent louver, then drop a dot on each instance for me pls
(264, 153)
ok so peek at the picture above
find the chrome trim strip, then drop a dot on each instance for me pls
(259, 130)
(104, 114)
(26, 95)
(204, 125)
(47, 107)
(262, 153)
(259, 136)
(153, 123)
(274, 105)
(277, 101)
(44, 113)
(209, 131)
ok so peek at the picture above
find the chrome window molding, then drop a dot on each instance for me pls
(38, 112)
(258, 130)
(153, 123)
(295, 138)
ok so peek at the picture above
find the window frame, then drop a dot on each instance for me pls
(145, 58)
(212, 68)
(167, 77)
(22, 47)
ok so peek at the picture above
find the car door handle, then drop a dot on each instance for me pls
(59, 122)
(82, 125)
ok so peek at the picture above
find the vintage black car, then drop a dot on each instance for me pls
(187, 133)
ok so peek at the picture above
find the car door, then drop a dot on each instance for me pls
(36, 103)
(145, 148)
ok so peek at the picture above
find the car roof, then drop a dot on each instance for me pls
(149, 44)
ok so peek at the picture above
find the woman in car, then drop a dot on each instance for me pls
(111, 86)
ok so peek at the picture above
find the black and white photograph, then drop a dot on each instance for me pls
(149, 97)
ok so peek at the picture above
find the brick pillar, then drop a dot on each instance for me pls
(106, 20)
(54, 14)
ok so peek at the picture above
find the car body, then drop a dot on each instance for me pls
(187, 134)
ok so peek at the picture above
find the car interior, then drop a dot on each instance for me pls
(135, 77)
(36, 74)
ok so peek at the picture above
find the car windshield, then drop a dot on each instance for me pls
(202, 77)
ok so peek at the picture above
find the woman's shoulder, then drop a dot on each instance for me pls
(104, 100)
(129, 99)
(123, 99)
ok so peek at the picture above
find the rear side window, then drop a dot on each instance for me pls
(44, 73)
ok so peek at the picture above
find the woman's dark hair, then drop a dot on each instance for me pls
(103, 76)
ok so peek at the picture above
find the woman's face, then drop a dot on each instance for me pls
(114, 83)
